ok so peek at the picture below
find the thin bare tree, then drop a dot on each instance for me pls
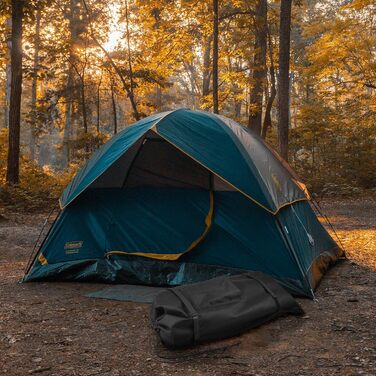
(284, 78)
(259, 66)
(215, 55)
(13, 163)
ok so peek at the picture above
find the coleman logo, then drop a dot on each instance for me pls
(73, 247)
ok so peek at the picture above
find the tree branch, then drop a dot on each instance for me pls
(127, 87)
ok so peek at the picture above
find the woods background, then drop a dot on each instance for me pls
(91, 68)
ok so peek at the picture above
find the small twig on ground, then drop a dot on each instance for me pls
(288, 356)
(39, 370)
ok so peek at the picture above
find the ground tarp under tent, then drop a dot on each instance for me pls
(180, 197)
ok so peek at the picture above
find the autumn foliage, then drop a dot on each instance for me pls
(91, 68)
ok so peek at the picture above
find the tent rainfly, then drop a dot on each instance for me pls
(183, 196)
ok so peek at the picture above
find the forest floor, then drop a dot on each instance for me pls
(52, 329)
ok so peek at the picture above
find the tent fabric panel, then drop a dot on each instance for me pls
(204, 139)
(78, 233)
(174, 226)
(243, 235)
(115, 175)
(159, 221)
(159, 164)
(277, 178)
(105, 156)
(310, 240)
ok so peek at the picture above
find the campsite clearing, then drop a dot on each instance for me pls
(52, 329)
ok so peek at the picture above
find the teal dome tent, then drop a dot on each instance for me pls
(180, 197)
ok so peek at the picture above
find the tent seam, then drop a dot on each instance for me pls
(239, 146)
(164, 117)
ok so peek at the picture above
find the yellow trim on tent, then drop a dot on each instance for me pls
(290, 203)
(42, 259)
(175, 256)
(157, 256)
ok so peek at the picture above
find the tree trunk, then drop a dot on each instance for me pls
(8, 72)
(130, 67)
(158, 97)
(246, 107)
(84, 109)
(99, 102)
(190, 69)
(215, 55)
(236, 90)
(259, 70)
(83, 103)
(283, 77)
(69, 96)
(237, 109)
(114, 111)
(273, 92)
(34, 85)
(68, 118)
(12, 176)
(206, 74)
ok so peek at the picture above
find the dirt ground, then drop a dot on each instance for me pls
(52, 329)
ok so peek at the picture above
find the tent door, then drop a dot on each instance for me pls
(159, 223)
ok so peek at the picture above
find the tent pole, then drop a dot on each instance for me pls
(144, 139)
(319, 209)
(34, 253)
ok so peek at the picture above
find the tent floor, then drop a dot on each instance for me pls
(127, 293)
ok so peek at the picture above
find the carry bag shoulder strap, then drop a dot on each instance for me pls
(267, 289)
(191, 311)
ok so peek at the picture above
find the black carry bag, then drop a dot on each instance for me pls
(218, 308)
